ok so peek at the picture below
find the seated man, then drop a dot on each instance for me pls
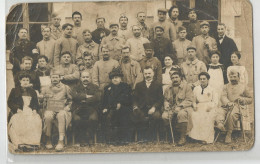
(235, 96)
(148, 101)
(117, 107)
(59, 100)
(26, 67)
(85, 97)
(178, 100)
(69, 72)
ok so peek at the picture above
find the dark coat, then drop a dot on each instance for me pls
(146, 98)
(97, 34)
(162, 48)
(34, 79)
(193, 29)
(114, 94)
(226, 48)
(20, 50)
(15, 100)
(80, 103)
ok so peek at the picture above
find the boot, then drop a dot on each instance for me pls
(48, 143)
(182, 130)
(228, 137)
(60, 145)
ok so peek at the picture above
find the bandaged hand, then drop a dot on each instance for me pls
(152, 110)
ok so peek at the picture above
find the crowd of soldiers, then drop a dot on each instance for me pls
(157, 80)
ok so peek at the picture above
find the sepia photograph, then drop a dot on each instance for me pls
(130, 76)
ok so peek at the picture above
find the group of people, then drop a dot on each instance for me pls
(146, 80)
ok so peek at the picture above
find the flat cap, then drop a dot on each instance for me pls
(162, 10)
(191, 47)
(113, 24)
(159, 26)
(204, 23)
(148, 46)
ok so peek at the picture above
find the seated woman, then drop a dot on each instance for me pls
(235, 57)
(25, 125)
(203, 117)
(166, 79)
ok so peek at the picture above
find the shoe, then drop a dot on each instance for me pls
(182, 130)
(203, 142)
(228, 137)
(221, 127)
(60, 145)
(48, 144)
(182, 141)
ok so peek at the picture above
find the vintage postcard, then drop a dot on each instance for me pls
(130, 76)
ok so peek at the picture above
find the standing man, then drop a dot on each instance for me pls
(192, 67)
(204, 43)
(88, 46)
(78, 29)
(148, 101)
(173, 18)
(131, 69)
(60, 95)
(101, 31)
(69, 73)
(114, 42)
(141, 17)
(150, 61)
(169, 29)
(178, 100)
(56, 31)
(46, 47)
(226, 45)
(23, 47)
(193, 26)
(235, 95)
(85, 97)
(102, 68)
(180, 45)
(124, 31)
(162, 46)
(66, 43)
(136, 44)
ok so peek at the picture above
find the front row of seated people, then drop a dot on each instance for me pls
(193, 110)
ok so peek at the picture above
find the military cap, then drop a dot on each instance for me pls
(148, 46)
(54, 15)
(113, 24)
(175, 71)
(125, 48)
(191, 47)
(159, 26)
(123, 16)
(66, 25)
(163, 10)
(204, 23)
(116, 72)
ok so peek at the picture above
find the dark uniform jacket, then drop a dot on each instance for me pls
(34, 79)
(99, 33)
(15, 100)
(162, 48)
(114, 94)
(226, 48)
(193, 29)
(80, 103)
(21, 49)
(146, 98)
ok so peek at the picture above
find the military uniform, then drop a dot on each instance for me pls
(180, 46)
(137, 48)
(145, 30)
(101, 70)
(64, 44)
(115, 45)
(169, 30)
(77, 34)
(47, 48)
(125, 33)
(92, 48)
(56, 32)
(156, 66)
(193, 29)
(70, 73)
(176, 23)
(192, 69)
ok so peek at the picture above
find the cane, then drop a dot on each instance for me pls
(171, 127)
(227, 116)
(241, 121)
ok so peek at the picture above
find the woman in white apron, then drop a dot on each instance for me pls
(25, 124)
(203, 117)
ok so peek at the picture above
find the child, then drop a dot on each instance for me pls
(25, 125)
(235, 57)
(216, 72)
